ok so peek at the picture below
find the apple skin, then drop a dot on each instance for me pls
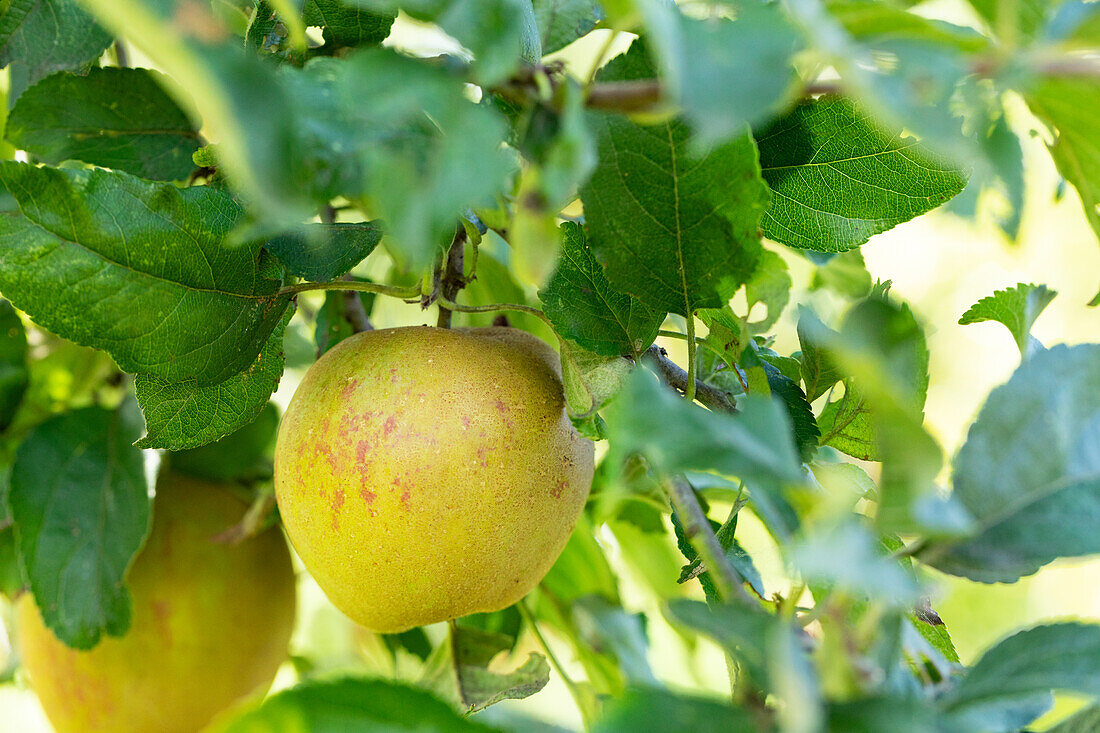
(211, 623)
(424, 474)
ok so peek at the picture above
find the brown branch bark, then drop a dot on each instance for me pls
(677, 378)
(452, 278)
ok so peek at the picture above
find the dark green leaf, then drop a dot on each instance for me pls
(838, 177)
(659, 710)
(321, 252)
(819, 374)
(115, 118)
(584, 306)
(235, 456)
(561, 22)
(459, 672)
(1017, 308)
(806, 432)
(88, 245)
(346, 704)
(39, 37)
(1063, 657)
(1029, 472)
(80, 502)
(676, 230)
(13, 365)
(186, 414)
(721, 91)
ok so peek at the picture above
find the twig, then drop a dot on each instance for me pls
(675, 377)
(453, 277)
(698, 532)
(354, 311)
(393, 291)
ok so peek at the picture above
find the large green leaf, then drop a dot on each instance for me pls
(346, 26)
(323, 252)
(1063, 657)
(39, 37)
(838, 177)
(724, 72)
(585, 307)
(1016, 308)
(80, 502)
(678, 231)
(346, 704)
(138, 269)
(1029, 472)
(239, 455)
(13, 366)
(1085, 721)
(115, 118)
(186, 414)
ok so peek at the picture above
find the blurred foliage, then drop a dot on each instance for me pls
(650, 213)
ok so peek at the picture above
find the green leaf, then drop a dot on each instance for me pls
(1085, 721)
(186, 414)
(115, 118)
(584, 306)
(846, 424)
(333, 324)
(89, 244)
(608, 627)
(844, 273)
(659, 710)
(343, 704)
(721, 91)
(1029, 472)
(838, 177)
(458, 671)
(754, 445)
(1063, 657)
(39, 37)
(80, 502)
(873, 20)
(847, 555)
(346, 26)
(819, 373)
(875, 714)
(500, 33)
(561, 22)
(801, 415)
(1066, 104)
(237, 455)
(676, 230)
(770, 286)
(1021, 18)
(421, 152)
(590, 380)
(765, 646)
(1017, 308)
(321, 252)
(13, 365)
